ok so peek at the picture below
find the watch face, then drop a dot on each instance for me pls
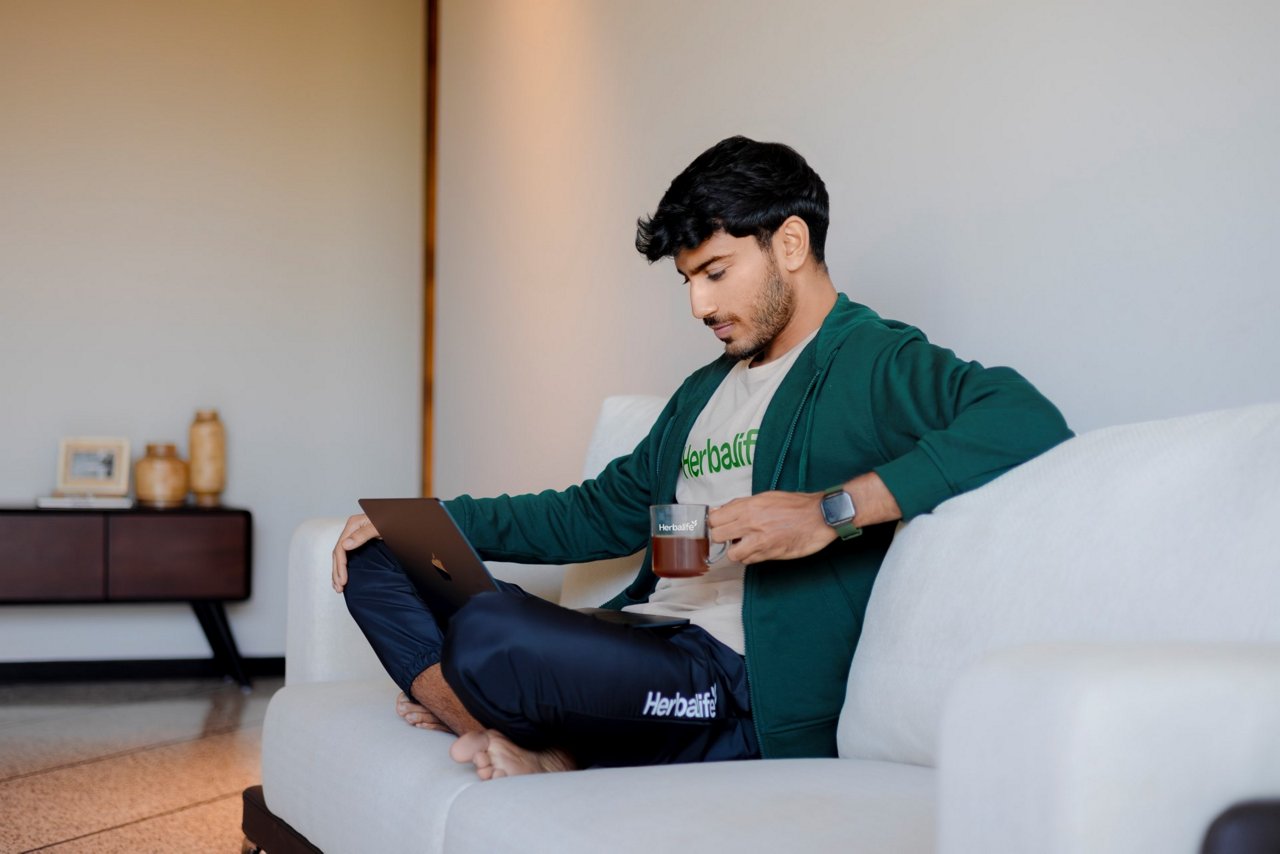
(837, 507)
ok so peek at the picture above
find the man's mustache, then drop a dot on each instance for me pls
(720, 318)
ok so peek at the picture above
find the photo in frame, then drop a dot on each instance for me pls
(93, 466)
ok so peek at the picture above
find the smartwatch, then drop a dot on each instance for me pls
(838, 512)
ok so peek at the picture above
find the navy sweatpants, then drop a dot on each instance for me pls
(546, 676)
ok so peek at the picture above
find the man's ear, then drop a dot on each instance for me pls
(791, 243)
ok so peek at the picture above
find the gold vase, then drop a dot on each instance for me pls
(208, 447)
(160, 477)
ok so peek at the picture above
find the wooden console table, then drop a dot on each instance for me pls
(185, 554)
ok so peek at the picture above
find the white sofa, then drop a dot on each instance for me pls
(1082, 656)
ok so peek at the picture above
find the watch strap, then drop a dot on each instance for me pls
(847, 530)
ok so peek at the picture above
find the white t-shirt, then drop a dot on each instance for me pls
(716, 468)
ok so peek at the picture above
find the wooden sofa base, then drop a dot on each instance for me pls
(266, 832)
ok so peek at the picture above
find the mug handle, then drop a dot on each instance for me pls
(724, 548)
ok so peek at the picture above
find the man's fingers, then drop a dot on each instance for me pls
(744, 551)
(358, 531)
(726, 513)
(733, 521)
(729, 531)
(719, 522)
(339, 572)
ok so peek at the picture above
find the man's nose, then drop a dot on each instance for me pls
(700, 300)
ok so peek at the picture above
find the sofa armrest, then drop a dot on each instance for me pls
(322, 643)
(1106, 748)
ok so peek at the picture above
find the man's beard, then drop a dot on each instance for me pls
(769, 316)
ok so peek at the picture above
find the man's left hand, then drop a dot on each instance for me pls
(771, 526)
(788, 525)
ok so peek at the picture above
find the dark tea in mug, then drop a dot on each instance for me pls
(680, 557)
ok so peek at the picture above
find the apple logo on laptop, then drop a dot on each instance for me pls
(439, 565)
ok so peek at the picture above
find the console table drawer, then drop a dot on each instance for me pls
(52, 559)
(170, 556)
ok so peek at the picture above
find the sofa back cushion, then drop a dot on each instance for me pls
(1161, 531)
(624, 421)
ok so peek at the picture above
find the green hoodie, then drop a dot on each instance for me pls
(866, 394)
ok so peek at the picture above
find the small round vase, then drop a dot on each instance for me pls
(160, 477)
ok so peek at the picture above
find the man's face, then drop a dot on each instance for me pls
(736, 289)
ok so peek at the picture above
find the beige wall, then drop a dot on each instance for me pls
(210, 203)
(216, 203)
(1084, 190)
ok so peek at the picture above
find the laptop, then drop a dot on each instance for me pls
(446, 570)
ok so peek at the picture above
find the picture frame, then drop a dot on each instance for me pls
(93, 466)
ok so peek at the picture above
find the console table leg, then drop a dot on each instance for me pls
(213, 619)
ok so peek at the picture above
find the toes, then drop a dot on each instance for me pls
(467, 746)
(406, 704)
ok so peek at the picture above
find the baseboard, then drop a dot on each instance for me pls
(157, 668)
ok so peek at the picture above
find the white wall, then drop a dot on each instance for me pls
(1084, 190)
(210, 203)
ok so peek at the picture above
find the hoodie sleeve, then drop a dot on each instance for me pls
(948, 426)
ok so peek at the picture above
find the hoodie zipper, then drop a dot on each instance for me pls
(657, 458)
(791, 432)
(773, 484)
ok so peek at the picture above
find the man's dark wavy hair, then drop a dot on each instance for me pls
(744, 187)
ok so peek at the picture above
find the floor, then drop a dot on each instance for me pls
(127, 766)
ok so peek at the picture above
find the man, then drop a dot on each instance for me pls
(844, 423)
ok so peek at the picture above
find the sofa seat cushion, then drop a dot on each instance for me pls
(345, 771)
(810, 805)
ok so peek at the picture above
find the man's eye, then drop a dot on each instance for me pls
(715, 276)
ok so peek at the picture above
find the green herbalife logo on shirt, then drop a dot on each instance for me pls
(714, 458)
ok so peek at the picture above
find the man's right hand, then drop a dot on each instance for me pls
(358, 531)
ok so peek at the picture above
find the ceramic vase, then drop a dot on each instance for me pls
(208, 447)
(160, 477)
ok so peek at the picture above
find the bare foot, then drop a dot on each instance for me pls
(494, 755)
(430, 693)
(418, 715)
